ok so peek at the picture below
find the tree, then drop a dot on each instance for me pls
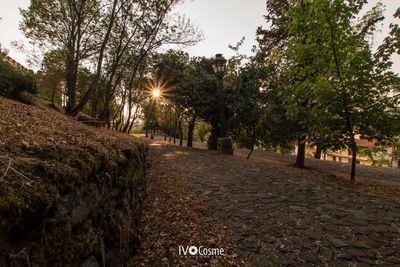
(190, 86)
(339, 87)
(114, 37)
(277, 127)
(51, 77)
(246, 106)
(198, 95)
(140, 29)
(151, 120)
(68, 26)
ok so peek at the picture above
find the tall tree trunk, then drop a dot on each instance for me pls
(53, 95)
(169, 125)
(180, 131)
(301, 152)
(147, 133)
(318, 153)
(165, 126)
(125, 128)
(104, 114)
(353, 158)
(94, 107)
(93, 85)
(191, 126)
(345, 99)
(170, 131)
(175, 126)
(71, 77)
(130, 127)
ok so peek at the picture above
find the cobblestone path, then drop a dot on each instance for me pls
(283, 216)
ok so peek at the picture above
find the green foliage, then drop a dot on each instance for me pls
(338, 87)
(51, 76)
(245, 104)
(377, 156)
(319, 77)
(190, 83)
(199, 90)
(115, 38)
(151, 116)
(14, 82)
(391, 44)
(277, 129)
(202, 131)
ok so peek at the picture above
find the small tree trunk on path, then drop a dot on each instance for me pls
(353, 164)
(353, 159)
(253, 142)
(192, 124)
(318, 153)
(301, 152)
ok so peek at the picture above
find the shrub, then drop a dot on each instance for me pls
(14, 82)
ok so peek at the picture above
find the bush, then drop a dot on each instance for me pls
(13, 82)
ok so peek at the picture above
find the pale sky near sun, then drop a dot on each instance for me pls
(223, 22)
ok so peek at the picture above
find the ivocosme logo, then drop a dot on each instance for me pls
(200, 251)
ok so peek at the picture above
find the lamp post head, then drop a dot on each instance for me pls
(219, 64)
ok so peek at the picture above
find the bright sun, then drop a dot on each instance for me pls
(156, 93)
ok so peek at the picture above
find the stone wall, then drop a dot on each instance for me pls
(83, 212)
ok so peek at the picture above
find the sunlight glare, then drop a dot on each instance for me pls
(156, 93)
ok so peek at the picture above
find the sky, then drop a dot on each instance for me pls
(223, 22)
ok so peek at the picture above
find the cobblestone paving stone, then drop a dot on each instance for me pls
(283, 216)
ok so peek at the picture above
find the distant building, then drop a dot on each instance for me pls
(345, 155)
(16, 65)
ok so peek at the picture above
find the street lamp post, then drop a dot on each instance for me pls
(219, 69)
(224, 143)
